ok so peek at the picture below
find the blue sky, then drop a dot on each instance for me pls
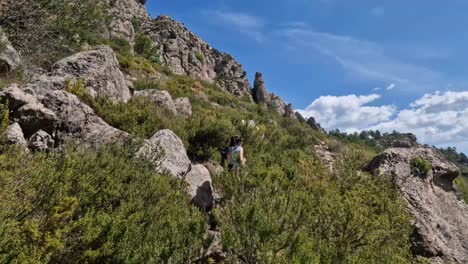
(352, 64)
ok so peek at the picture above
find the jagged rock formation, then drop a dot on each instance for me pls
(97, 68)
(123, 13)
(185, 53)
(9, 58)
(259, 92)
(314, 125)
(440, 218)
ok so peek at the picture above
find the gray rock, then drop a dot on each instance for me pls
(440, 218)
(14, 135)
(9, 58)
(314, 124)
(200, 189)
(98, 69)
(214, 168)
(185, 53)
(278, 104)
(123, 12)
(289, 112)
(259, 91)
(160, 98)
(326, 156)
(183, 107)
(399, 140)
(41, 141)
(166, 152)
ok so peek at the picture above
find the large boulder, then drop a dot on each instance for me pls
(185, 53)
(123, 14)
(440, 218)
(14, 135)
(98, 69)
(166, 152)
(183, 107)
(200, 189)
(41, 141)
(160, 98)
(289, 112)
(9, 58)
(259, 91)
(278, 104)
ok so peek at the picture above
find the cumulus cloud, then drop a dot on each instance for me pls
(349, 112)
(439, 119)
(391, 87)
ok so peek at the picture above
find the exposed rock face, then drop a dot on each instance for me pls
(278, 104)
(123, 12)
(160, 98)
(289, 112)
(41, 141)
(183, 107)
(325, 155)
(167, 153)
(9, 58)
(200, 189)
(185, 53)
(58, 113)
(14, 135)
(441, 220)
(314, 125)
(98, 68)
(259, 91)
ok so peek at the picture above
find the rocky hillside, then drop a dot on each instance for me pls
(110, 153)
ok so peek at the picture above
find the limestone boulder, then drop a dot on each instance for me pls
(9, 57)
(14, 135)
(160, 98)
(200, 189)
(183, 107)
(167, 153)
(41, 141)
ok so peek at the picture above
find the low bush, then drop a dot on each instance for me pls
(422, 165)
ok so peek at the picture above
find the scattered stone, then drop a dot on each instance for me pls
(160, 98)
(14, 135)
(41, 141)
(440, 218)
(166, 152)
(200, 189)
(9, 58)
(183, 107)
(98, 69)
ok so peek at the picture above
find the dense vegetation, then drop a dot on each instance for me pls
(86, 205)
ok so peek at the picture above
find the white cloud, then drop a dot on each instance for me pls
(377, 89)
(247, 24)
(363, 59)
(349, 112)
(391, 87)
(439, 119)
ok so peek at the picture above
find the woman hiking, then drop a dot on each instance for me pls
(236, 155)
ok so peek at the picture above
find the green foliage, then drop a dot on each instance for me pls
(93, 206)
(199, 56)
(461, 184)
(143, 45)
(4, 118)
(76, 88)
(47, 30)
(422, 165)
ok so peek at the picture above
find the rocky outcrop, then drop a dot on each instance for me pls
(278, 104)
(183, 107)
(200, 189)
(289, 112)
(440, 218)
(9, 58)
(123, 14)
(14, 135)
(185, 53)
(98, 69)
(160, 98)
(259, 92)
(326, 156)
(58, 113)
(167, 154)
(314, 124)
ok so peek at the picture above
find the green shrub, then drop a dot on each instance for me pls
(143, 45)
(422, 165)
(44, 31)
(93, 206)
(461, 184)
(199, 56)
